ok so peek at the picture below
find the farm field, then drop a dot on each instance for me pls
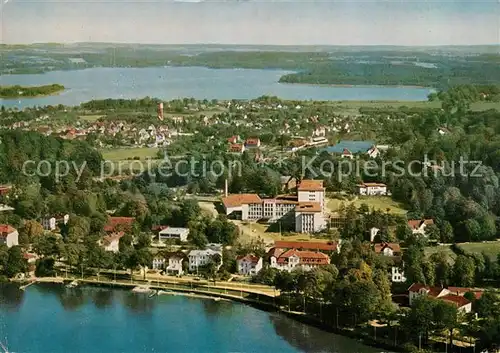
(383, 203)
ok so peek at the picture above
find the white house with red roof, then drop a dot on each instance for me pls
(452, 295)
(112, 242)
(418, 225)
(9, 235)
(248, 265)
(288, 260)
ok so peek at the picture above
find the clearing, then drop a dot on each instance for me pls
(121, 154)
(383, 203)
(490, 248)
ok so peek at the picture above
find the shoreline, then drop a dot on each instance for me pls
(201, 294)
(33, 97)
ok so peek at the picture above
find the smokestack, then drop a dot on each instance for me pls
(225, 188)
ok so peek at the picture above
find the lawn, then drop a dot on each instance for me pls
(121, 154)
(383, 203)
(491, 248)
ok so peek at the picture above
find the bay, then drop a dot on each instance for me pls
(52, 318)
(198, 82)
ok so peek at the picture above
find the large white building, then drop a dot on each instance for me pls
(307, 208)
(173, 233)
(288, 260)
(200, 258)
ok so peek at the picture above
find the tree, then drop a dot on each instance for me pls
(403, 232)
(144, 259)
(446, 232)
(446, 317)
(419, 320)
(48, 246)
(32, 229)
(464, 271)
(15, 262)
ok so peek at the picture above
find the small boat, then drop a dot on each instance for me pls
(72, 284)
(154, 293)
(216, 299)
(141, 289)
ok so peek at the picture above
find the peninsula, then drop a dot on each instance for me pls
(29, 91)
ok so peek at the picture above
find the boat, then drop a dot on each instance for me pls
(72, 284)
(141, 289)
(153, 293)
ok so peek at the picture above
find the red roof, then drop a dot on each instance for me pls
(236, 147)
(415, 287)
(252, 141)
(458, 300)
(114, 236)
(237, 200)
(113, 222)
(346, 152)
(382, 246)
(309, 245)
(311, 185)
(249, 258)
(6, 229)
(417, 223)
(306, 257)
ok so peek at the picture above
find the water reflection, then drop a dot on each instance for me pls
(310, 339)
(138, 302)
(102, 298)
(11, 297)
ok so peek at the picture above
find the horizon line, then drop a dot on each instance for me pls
(257, 45)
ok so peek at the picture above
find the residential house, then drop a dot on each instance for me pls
(234, 139)
(9, 235)
(372, 189)
(418, 225)
(288, 182)
(248, 265)
(456, 297)
(237, 148)
(200, 258)
(288, 260)
(443, 131)
(171, 262)
(373, 233)
(392, 250)
(253, 142)
(180, 234)
(5, 189)
(111, 242)
(50, 223)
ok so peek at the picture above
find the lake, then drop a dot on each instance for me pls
(198, 82)
(52, 318)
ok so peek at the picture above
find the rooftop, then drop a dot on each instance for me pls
(416, 223)
(311, 185)
(237, 200)
(308, 207)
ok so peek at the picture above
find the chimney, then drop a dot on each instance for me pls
(225, 188)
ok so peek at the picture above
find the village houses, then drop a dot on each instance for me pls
(9, 235)
(248, 265)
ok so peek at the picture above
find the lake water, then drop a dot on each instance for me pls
(52, 318)
(198, 82)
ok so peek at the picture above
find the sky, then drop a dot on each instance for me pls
(281, 22)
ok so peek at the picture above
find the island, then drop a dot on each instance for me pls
(17, 91)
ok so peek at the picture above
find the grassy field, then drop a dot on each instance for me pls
(383, 203)
(491, 249)
(121, 154)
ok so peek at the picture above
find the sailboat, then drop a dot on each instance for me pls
(4, 348)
